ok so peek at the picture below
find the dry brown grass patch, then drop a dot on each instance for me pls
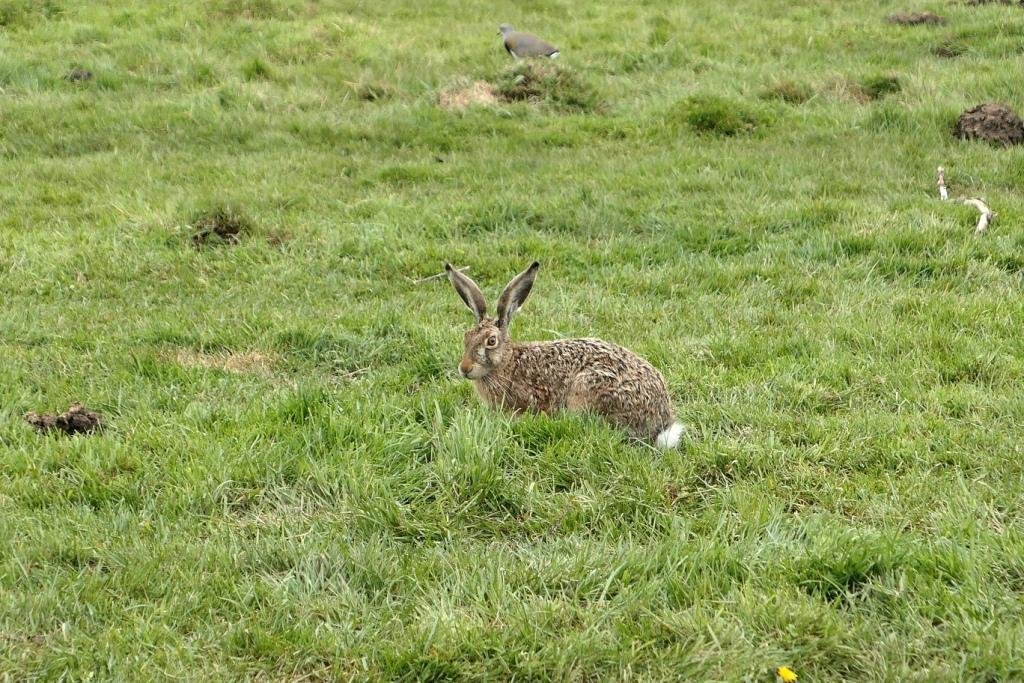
(242, 362)
(463, 95)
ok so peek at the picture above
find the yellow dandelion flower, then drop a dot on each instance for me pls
(786, 674)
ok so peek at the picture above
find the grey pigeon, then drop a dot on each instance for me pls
(522, 45)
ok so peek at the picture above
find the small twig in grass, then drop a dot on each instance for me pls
(343, 376)
(986, 217)
(437, 277)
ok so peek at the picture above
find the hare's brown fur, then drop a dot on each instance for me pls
(580, 375)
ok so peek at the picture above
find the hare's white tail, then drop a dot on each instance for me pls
(670, 436)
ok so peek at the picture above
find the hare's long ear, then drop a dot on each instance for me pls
(469, 292)
(515, 294)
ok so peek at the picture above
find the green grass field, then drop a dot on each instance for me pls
(295, 484)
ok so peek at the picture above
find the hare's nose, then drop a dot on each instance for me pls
(465, 367)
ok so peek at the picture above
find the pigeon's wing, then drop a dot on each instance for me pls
(528, 45)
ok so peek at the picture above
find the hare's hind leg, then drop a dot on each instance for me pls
(599, 395)
(578, 399)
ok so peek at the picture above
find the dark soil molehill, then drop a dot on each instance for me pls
(915, 18)
(78, 75)
(219, 225)
(77, 420)
(991, 122)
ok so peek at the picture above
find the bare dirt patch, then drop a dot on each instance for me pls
(545, 81)
(916, 19)
(374, 92)
(950, 48)
(241, 362)
(846, 89)
(78, 75)
(788, 91)
(866, 89)
(534, 81)
(221, 225)
(992, 122)
(477, 93)
(718, 116)
(880, 85)
(77, 420)
(279, 238)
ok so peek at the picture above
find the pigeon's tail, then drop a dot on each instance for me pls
(554, 54)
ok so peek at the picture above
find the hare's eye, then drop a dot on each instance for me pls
(492, 342)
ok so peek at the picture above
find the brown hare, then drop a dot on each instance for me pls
(582, 375)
